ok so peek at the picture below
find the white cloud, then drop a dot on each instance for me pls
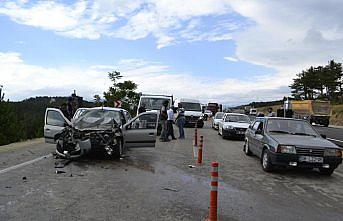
(152, 77)
(231, 59)
(290, 35)
(166, 20)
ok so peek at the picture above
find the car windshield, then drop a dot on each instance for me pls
(288, 126)
(191, 106)
(219, 115)
(91, 118)
(152, 103)
(237, 118)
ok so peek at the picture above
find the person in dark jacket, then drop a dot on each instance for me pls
(141, 109)
(164, 118)
(180, 122)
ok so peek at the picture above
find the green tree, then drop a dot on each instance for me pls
(97, 100)
(122, 91)
(10, 127)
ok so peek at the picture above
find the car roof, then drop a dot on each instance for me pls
(107, 108)
(187, 100)
(279, 118)
(236, 114)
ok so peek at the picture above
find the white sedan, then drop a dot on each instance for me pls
(233, 125)
(216, 119)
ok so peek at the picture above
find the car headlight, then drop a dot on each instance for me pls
(333, 153)
(229, 127)
(286, 149)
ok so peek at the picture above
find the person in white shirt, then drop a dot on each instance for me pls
(170, 121)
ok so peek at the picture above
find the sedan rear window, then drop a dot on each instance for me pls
(219, 115)
(287, 126)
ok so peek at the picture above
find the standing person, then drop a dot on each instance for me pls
(141, 109)
(180, 122)
(270, 112)
(164, 118)
(170, 122)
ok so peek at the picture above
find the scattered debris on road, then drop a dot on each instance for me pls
(191, 166)
(24, 178)
(170, 189)
(59, 171)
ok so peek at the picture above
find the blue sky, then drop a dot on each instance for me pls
(231, 51)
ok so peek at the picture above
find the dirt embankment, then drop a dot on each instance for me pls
(336, 118)
(337, 115)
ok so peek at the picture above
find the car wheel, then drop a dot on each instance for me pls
(266, 164)
(246, 148)
(326, 171)
(118, 152)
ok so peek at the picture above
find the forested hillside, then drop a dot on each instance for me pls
(25, 119)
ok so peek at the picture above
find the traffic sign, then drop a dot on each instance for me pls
(117, 103)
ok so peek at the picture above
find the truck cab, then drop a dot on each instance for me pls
(193, 111)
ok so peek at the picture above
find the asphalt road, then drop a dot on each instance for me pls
(157, 184)
(333, 134)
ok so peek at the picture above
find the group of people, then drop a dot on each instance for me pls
(167, 121)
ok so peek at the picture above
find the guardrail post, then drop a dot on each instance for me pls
(213, 214)
(201, 144)
(195, 137)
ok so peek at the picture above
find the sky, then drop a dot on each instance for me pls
(227, 51)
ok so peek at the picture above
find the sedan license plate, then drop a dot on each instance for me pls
(310, 159)
(240, 132)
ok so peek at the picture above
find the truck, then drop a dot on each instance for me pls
(193, 111)
(315, 111)
(153, 102)
(214, 108)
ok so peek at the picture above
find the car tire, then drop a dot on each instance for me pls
(118, 152)
(265, 160)
(326, 171)
(246, 148)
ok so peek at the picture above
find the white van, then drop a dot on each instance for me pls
(154, 102)
(193, 111)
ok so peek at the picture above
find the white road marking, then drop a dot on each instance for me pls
(24, 164)
(334, 140)
(338, 174)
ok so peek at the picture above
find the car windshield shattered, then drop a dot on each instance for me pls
(98, 119)
(288, 126)
(237, 118)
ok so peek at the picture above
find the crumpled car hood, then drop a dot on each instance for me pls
(93, 123)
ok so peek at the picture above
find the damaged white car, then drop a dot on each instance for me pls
(103, 129)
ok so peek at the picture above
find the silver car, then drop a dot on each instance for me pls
(285, 142)
(217, 117)
(103, 129)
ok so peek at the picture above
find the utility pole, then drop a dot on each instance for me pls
(1, 95)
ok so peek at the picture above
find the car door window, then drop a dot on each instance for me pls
(256, 125)
(128, 115)
(54, 118)
(145, 121)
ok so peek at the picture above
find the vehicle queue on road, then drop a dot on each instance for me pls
(280, 142)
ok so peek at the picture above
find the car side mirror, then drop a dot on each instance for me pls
(323, 136)
(258, 132)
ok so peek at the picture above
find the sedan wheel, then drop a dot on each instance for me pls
(266, 164)
(246, 148)
(326, 171)
(119, 150)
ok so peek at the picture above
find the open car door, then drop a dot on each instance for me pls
(54, 122)
(141, 131)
